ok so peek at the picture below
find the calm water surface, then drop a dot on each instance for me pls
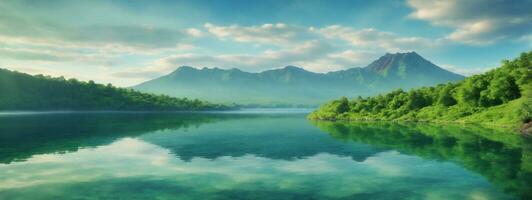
(254, 155)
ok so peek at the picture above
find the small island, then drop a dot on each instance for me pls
(501, 97)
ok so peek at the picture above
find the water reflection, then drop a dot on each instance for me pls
(275, 137)
(253, 156)
(504, 158)
(132, 167)
(22, 136)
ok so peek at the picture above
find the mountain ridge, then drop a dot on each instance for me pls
(370, 66)
(296, 85)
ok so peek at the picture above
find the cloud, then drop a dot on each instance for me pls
(131, 38)
(254, 62)
(477, 22)
(194, 32)
(466, 71)
(352, 58)
(138, 74)
(313, 55)
(374, 39)
(283, 34)
(31, 55)
(136, 36)
(278, 34)
(53, 55)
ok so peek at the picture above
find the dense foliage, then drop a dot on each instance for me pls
(501, 96)
(19, 91)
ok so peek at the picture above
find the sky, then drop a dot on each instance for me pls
(127, 42)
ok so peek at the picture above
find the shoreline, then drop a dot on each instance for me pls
(519, 129)
(222, 111)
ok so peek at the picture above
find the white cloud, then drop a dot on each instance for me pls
(282, 34)
(353, 58)
(268, 59)
(477, 21)
(313, 55)
(19, 29)
(194, 32)
(278, 34)
(54, 54)
(465, 71)
(374, 39)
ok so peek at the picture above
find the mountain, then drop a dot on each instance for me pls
(296, 86)
(501, 97)
(19, 91)
(409, 66)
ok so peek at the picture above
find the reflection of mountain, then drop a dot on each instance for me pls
(272, 136)
(504, 159)
(283, 137)
(24, 136)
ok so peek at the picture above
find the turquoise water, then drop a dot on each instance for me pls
(254, 155)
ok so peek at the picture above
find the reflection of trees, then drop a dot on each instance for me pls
(24, 136)
(505, 159)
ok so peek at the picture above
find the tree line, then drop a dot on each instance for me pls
(20, 91)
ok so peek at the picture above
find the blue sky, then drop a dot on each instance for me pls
(127, 42)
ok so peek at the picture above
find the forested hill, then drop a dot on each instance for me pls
(502, 96)
(19, 91)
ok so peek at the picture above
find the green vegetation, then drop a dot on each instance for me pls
(19, 91)
(500, 97)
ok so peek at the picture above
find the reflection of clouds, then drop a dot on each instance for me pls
(318, 164)
(388, 166)
(325, 174)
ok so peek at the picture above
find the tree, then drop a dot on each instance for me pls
(20, 91)
(343, 105)
(504, 89)
(445, 96)
(415, 100)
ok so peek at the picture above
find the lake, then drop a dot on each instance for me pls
(254, 155)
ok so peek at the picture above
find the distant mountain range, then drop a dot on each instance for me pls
(295, 86)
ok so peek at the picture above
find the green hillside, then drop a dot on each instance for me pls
(19, 91)
(500, 97)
